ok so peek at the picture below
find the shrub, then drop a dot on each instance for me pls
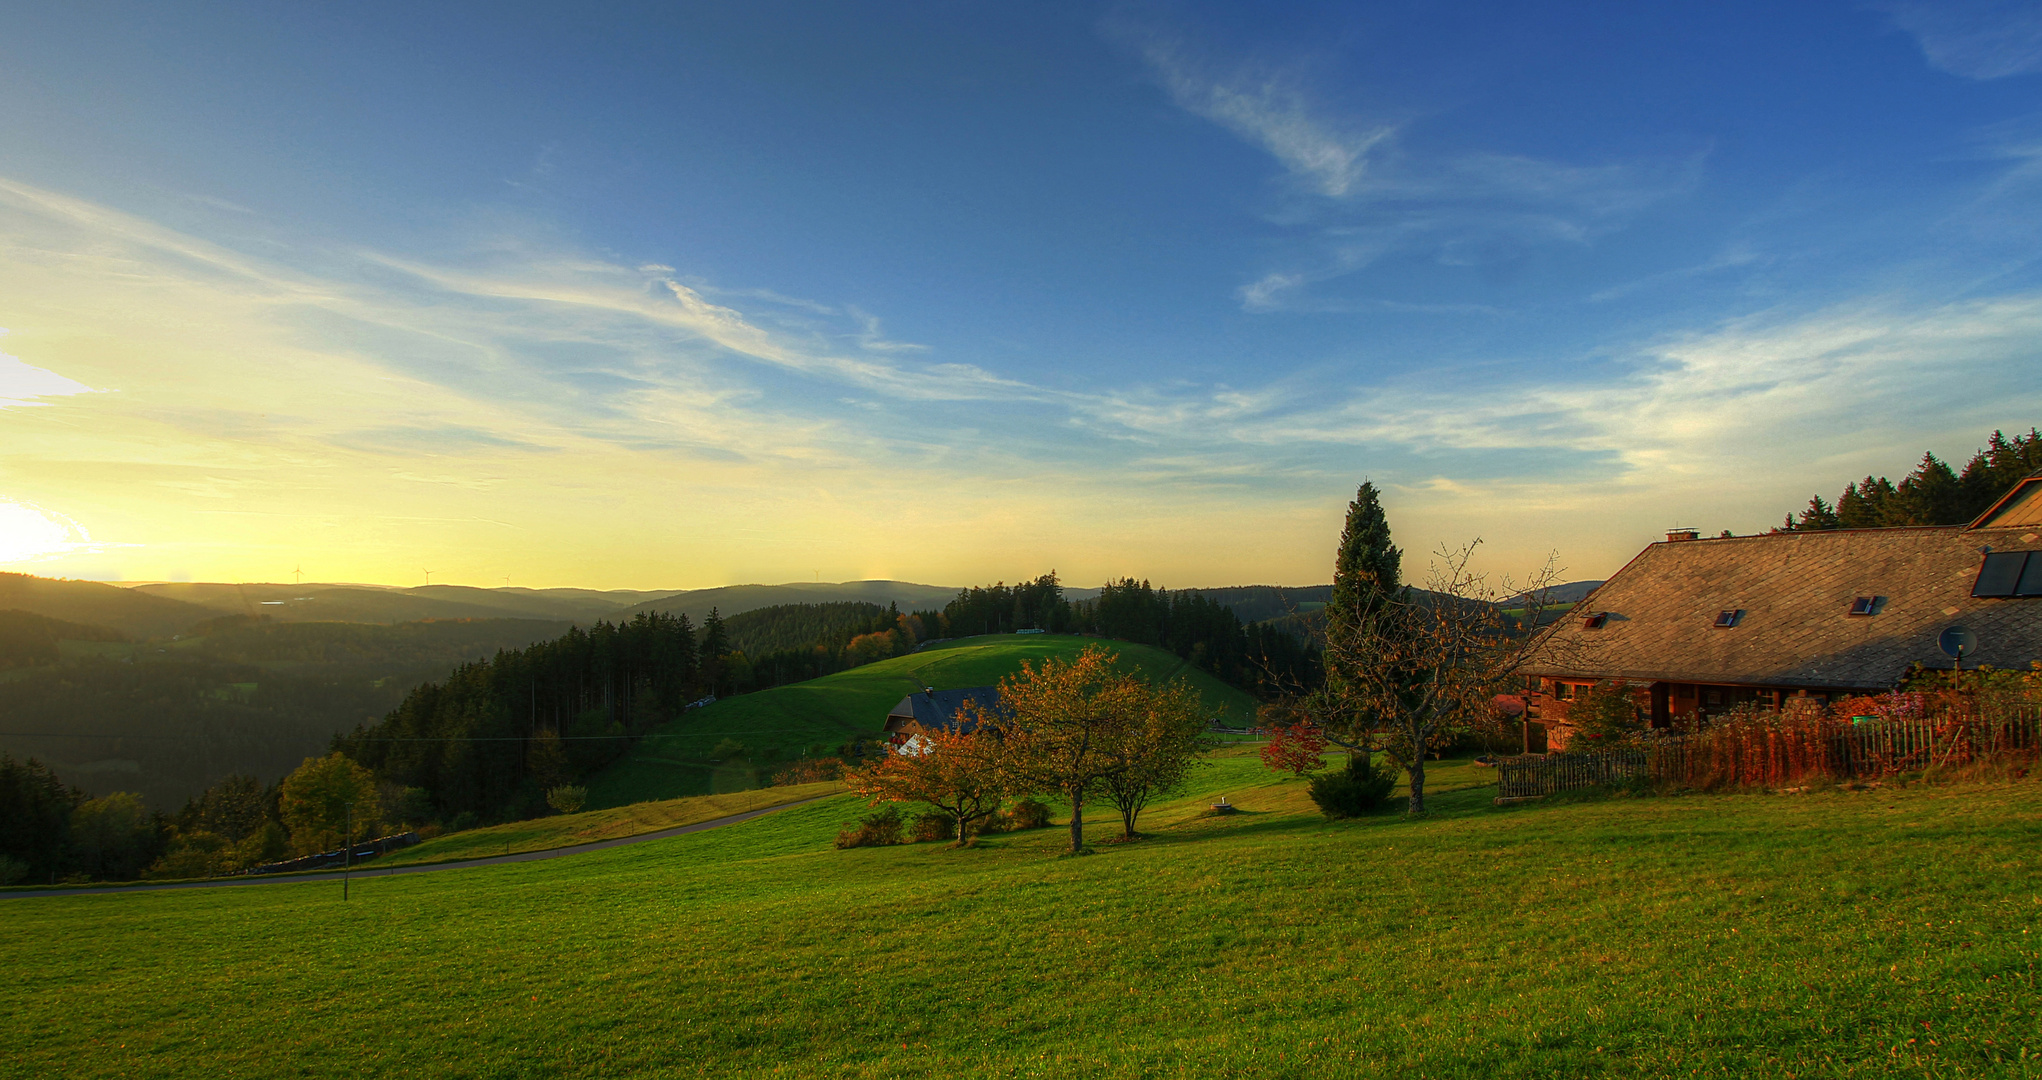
(876, 829)
(932, 825)
(567, 798)
(809, 772)
(1296, 749)
(12, 870)
(1355, 790)
(1026, 814)
(727, 749)
(463, 821)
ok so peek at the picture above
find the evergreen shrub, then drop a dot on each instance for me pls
(1361, 787)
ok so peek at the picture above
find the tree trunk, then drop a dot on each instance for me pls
(1077, 822)
(1417, 773)
(960, 826)
(1127, 815)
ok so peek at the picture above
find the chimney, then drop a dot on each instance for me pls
(1682, 534)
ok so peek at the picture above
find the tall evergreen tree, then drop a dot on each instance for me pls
(1818, 515)
(1366, 564)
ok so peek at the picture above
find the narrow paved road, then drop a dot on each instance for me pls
(371, 870)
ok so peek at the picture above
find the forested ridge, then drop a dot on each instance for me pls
(1933, 494)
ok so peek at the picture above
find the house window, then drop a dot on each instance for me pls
(1713, 697)
(1863, 605)
(1595, 621)
(1564, 691)
(1727, 619)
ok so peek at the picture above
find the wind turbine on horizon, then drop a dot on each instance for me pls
(428, 575)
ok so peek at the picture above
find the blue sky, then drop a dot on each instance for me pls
(951, 292)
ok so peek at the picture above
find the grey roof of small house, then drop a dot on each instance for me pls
(1795, 590)
(938, 708)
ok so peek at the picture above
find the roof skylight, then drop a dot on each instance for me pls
(1863, 605)
(1727, 619)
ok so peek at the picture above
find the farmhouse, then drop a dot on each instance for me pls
(1701, 626)
(933, 710)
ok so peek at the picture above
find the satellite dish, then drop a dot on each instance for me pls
(1958, 642)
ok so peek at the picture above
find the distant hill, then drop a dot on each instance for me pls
(27, 639)
(166, 718)
(1573, 592)
(730, 600)
(374, 604)
(1257, 603)
(94, 603)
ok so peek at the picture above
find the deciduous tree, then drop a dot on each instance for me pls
(1063, 726)
(320, 798)
(1297, 748)
(1160, 748)
(954, 771)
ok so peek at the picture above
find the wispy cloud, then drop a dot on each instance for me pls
(1975, 39)
(25, 384)
(1268, 108)
(1364, 192)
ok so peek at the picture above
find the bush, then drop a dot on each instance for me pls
(809, 772)
(932, 825)
(727, 749)
(876, 829)
(1026, 814)
(567, 798)
(463, 821)
(1355, 790)
(12, 870)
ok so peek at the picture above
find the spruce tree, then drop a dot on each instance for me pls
(1366, 565)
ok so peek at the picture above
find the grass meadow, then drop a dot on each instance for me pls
(835, 709)
(1890, 932)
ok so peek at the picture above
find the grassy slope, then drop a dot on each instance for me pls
(541, 834)
(1874, 933)
(837, 708)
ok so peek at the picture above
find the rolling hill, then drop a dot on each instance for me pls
(165, 719)
(374, 604)
(821, 714)
(94, 603)
(733, 599)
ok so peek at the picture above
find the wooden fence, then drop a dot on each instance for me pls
(1774, 749)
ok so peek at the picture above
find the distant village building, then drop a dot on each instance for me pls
(935, 710)
(1702, 626)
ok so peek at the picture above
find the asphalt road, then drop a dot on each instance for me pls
(371, 870)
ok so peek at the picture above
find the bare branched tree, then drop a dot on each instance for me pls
(1408, 670)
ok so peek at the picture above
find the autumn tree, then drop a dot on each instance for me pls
(956, 772)
(1159, 747)
(1065, 726)
(322, 796)
(1297, 748)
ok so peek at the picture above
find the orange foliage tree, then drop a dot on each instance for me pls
(1068, 726)
(952, 771)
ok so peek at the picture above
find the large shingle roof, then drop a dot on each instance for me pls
(1795, 590)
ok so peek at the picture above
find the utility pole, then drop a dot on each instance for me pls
(347, 859)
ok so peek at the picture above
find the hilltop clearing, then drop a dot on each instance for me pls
(1842, 933)
(818, 716)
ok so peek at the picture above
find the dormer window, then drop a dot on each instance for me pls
(1863, 605)
(1727, 619)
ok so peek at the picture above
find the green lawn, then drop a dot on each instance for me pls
(836, 709)
(1878, 933)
